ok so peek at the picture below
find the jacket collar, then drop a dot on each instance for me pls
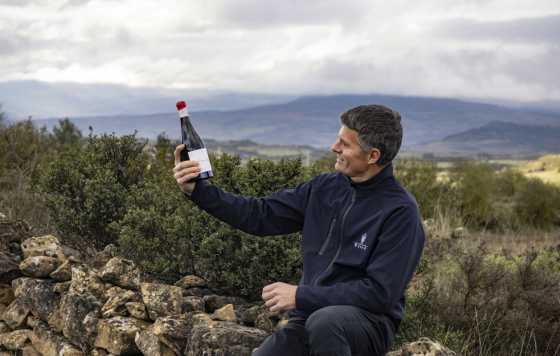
(373, 182)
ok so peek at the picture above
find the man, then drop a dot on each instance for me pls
(362, 240)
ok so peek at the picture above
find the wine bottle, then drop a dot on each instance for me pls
(194, 146)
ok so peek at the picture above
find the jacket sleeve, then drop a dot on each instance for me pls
(389, 270)
(280, 213)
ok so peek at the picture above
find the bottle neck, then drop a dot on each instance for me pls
(183, 113)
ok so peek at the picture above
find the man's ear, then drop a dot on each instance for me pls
(374, 156)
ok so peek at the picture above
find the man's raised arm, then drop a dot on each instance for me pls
(280, 213)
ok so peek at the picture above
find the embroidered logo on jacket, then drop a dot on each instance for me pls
(361, 245)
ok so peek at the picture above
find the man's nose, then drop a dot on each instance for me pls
(334, 147)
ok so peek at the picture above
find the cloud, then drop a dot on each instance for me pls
(16, 3)
(487, 47)
(261, 13)
(544, 29)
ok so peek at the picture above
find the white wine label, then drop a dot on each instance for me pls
(202, 157)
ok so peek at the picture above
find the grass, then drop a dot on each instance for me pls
(545, 168)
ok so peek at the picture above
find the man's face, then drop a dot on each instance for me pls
(351, 160)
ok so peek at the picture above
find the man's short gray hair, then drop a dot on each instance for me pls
(378, 127)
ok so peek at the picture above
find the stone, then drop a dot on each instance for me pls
(63, 273)
(72, 254)
(86, 281)
(38, 266)
(99, 352)
(46, 341)
(9, 268)
(6, 294)
(47, 245)
(4, 328)
(225, 313)
(116, 300)
(32, 321)
(102, 257)
(164, 300)
(15, 314)
(423, 347)
(249, 314)
(15, 340)
(191, 281)
(121, 272)
(198, 292)
(117, 334)
(37, 295)
(56, 320)
(62, 287)
(78, 317)
(70, 350)
(172, 332)
(137, 310)
(213, 302)
(265, 321)
(30, 351)
(223, 338)
(149, 344)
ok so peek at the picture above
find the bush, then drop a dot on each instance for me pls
(476, 187)
(86, 188)
(484, 303)
(24, 149)
(537, 204)
(432, 195)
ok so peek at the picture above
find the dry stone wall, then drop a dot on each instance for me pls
(52, 303)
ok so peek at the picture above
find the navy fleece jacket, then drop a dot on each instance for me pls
(361, 241)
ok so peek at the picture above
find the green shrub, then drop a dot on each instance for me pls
(537, 204)
(86, 188)
(420, 178)
(24, 149)
(476, 187)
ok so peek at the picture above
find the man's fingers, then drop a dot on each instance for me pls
(276, 308)
(186, 171)
(270, 303)
(267, 295)
(178, 150)
(188, 177)
(185, 164)
(270, 287)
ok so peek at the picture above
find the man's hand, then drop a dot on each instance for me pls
(185, 171)
(279, 297)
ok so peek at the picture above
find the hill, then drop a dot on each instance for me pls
(314, 120)
(499, 138)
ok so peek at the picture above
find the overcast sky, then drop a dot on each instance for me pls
(499, 49)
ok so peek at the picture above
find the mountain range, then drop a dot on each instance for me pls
(437, 125)
(430, 124)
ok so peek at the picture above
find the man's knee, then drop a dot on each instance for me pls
(326, 320)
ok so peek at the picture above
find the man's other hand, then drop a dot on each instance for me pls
(279, 297)
(185, 171)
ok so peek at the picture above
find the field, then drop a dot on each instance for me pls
(545, 168)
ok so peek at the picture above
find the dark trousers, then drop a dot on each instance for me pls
(338, 330)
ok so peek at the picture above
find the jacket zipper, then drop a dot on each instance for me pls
(340, 240)
(329, 234)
